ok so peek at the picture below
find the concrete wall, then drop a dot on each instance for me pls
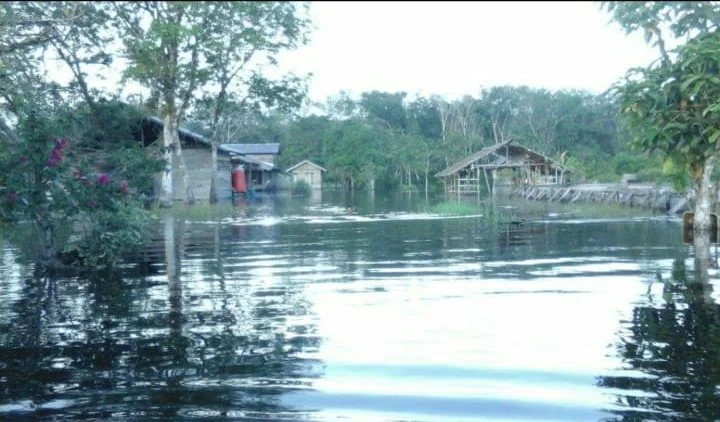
(310, 174)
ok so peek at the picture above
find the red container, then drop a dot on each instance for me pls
(237, 177)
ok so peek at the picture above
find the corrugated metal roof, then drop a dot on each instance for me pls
(252, 149)
(265, 166)
(183, 132)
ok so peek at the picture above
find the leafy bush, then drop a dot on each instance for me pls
(51, 183)
(625, 162)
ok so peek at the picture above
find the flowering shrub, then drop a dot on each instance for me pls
(46, 182)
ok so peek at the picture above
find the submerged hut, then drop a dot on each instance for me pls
(520, 165)
(309, 172)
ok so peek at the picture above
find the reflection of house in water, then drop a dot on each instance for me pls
(316, 197)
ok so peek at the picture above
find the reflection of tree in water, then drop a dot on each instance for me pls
(125, 352)
(676, 343)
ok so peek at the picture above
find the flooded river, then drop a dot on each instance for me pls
(299, 310)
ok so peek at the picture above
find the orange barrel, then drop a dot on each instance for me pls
(237, 176)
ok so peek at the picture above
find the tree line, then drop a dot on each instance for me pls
(392, 141)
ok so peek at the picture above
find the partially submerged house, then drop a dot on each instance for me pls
(308, 172)
(257, 159)
(520, 164)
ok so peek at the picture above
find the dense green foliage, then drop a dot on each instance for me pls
(61, 185)
(390, 141)
(672, 105)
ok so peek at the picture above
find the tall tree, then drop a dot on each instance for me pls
(238, 33)
(164, 42)
(672, 104)
(81, 42)
(35, 35)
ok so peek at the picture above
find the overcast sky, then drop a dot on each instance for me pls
(457, 48)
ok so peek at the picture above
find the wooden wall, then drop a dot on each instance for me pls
(310, 174)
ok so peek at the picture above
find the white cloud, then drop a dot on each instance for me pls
(456, 48)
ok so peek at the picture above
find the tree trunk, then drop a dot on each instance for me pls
(213, 173)
(189, 195)
(704, 202)
(170, 133)
(427, 170)
(45, 230)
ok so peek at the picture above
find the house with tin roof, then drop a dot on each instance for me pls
(258, 161)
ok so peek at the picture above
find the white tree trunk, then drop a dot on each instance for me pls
(213, 173)
(704, 202)
(189, 195)
(166, 186)
(704, 197)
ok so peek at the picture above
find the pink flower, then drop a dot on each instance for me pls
(55, 156)
(103, 179)
(52, 162)
(124, 188)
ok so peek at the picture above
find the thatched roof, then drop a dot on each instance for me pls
(509, 149)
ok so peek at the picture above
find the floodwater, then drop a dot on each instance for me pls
(299, 310)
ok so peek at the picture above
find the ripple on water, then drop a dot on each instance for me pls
(329, 316)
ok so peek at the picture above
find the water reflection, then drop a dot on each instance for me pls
(294, 310)
(177, 345)
(674, 341)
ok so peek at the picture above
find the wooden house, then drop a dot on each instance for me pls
(308, 172)
(258, 160)
(517, 163)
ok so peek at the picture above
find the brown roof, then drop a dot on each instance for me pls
(511, 145)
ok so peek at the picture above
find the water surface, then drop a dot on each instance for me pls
(297, 310)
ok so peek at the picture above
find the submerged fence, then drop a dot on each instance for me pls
(638, 196)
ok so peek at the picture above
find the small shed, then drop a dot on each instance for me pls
(309, 172)
(527, 167)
